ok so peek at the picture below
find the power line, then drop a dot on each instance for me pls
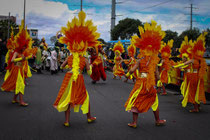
(150, 7)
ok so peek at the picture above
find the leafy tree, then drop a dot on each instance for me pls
(4, 28)
(126, 28)
(208, 38)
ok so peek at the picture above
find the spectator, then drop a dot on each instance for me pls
(3, 52)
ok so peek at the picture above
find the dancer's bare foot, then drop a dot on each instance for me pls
(160, 122)
(164, 93)
(66, 124)
(23, 104)
(194, 111)
(15, 101)
(91, 119)
(133, 125)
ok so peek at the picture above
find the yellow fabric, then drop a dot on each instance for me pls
(183, 86)
(18, 59)
(7, 56)
(159, 83)
(197, 93)
(85, 106)
(128, 74)
(6, 75)
(185, 100)
(75, 66)
(89, 72)
(66, 98)
(169, 78)
(156, 103)
(20, 85)
(179, 65)
(29, 74)
(133, 98)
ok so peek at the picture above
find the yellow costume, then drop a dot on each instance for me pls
(117, 69)
(78, 35)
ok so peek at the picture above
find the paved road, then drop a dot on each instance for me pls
(40, 121)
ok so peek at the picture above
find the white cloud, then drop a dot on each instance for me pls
(49, 16)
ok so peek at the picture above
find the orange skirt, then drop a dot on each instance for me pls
(11, 82)
(78, 90)
(145, 99)
(195, 84)
(164, 76)
(118, 70)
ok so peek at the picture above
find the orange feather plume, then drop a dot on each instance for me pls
(166, 49)
(131, 49)
(119, 47)
(199, 46)
(186, 48)
(22, 39)
(11, 41)
(79, 34)
(151, 36)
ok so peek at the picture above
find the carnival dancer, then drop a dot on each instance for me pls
(97, 64)
(78, 35)
(117, 69)
(165, 65)
(131, 63)
(186, 54)
(194, 92)
(10, 47)
(144, 95)
(15, 80)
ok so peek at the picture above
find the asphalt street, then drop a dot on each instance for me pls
(40, 121)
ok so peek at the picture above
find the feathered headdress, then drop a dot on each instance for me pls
(151, 36)
(79, 34)
(186, 48)
(11, 41)
(166, 49)
(118, 47)
(22, 39)
(131, 49)
(199, 46)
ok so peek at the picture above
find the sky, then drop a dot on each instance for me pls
(48, 16)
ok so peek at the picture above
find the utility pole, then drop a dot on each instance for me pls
(113, 17)
(8, 32)
(191, 15)
(24, 14)
(81, 6)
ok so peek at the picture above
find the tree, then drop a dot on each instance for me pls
(170, 35)
(102, 41)
(126, 28)
(4, 28)
(208, 38)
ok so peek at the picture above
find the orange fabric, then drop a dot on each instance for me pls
(164, 73)
(131, 63)
(147, 95)
(78, 93)
(194, 78)
(145, 98)
(10, 83)
(25, 63)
